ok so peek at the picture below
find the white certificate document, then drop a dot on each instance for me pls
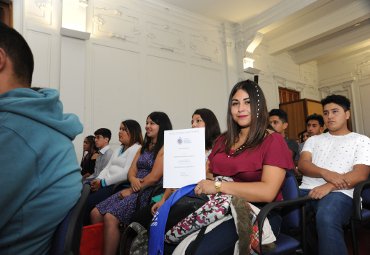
(184, 157)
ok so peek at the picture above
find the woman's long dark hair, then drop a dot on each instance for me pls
(164, 123)
(212, 129)
(259, 117)
(92, 147)
(134, 130)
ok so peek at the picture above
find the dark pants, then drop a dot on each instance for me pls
(221, 240)
(98, 196)
(332, 213)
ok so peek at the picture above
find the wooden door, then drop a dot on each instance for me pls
(297, 113)
(288, 95)
(6, 12)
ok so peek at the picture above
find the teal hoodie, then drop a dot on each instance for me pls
(40, 177)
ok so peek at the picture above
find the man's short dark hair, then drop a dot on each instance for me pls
(337, 99)
(317, 117)
(280, 113)
(19, 53)
(104, 132)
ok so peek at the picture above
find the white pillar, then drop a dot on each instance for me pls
(73, 62)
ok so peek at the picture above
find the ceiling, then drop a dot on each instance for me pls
(320, 30)
(229, 10)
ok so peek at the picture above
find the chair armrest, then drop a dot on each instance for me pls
(155, 187)
(279, 204)
(74, 231)
(357, 203)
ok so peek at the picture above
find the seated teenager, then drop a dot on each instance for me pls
(146, 170)
(89, 156)
(116, 171)
(279, 121)
(102, 138)
(332, 164)
(255, 158)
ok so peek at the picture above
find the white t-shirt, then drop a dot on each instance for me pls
(336, 153)
(119, 164)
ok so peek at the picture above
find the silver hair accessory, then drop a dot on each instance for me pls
(258, 100)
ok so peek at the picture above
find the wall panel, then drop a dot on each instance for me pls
(207, 90)
(40, 44)
(165, 88)
(365, 109)
(115, 85)
(166, 62)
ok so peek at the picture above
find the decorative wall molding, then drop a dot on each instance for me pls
(205, 48)
(289, 84)
(116, 22)
(307, 76)
(363, 70)
(339, 88)
(74, 34)
(173, 12)
(163, 35)
(338, 79)
(40, 11)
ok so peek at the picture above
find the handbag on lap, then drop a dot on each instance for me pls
(214, 209)
(183, 207)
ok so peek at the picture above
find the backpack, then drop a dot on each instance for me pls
(217, 207)
(214, 209)
(134, 240)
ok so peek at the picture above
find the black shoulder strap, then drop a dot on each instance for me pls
(193, 246)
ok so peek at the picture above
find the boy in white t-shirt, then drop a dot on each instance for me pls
(332, 164)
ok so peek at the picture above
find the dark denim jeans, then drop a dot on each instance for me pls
(332, 212)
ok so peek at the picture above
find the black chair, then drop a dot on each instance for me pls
(292, 235)
(67, 237)
(142, 218)
(361, 214)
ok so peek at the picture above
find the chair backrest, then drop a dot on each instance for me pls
(365, 195)
(292, 215)
(66, 239)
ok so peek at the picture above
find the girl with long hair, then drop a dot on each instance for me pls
(146, 170)
(254, 157)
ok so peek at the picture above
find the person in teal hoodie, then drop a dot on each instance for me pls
(40, 178)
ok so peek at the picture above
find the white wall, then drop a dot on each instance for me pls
(145, 56)
(350, 76)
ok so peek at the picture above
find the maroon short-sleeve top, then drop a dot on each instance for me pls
(247, 166)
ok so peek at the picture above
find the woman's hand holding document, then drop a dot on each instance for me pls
(184, 158)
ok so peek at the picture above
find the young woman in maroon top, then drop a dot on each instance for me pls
(256, 158)
(253, 156)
